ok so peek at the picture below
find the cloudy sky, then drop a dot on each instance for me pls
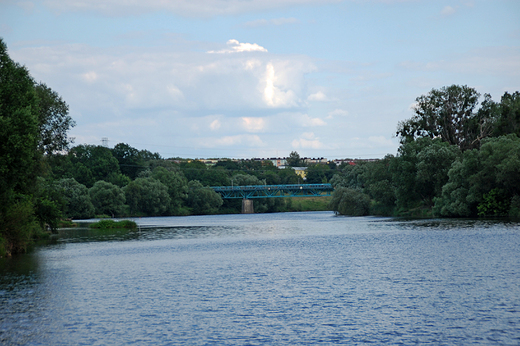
(259, 78)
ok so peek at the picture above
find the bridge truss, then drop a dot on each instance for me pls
(270, 191)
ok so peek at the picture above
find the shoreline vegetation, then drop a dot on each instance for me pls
(111, 224)
(459, 156)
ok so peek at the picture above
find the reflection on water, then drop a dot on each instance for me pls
(295, 278)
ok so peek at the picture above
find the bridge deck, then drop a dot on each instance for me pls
(270, 191)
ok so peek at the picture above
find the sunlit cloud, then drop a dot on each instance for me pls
(125, 79)
(237, 47)
(274, 94)
(215, 125)
(253, 124)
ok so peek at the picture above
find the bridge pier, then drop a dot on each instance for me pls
(247, 206)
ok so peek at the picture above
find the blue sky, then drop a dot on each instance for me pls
(259, 78)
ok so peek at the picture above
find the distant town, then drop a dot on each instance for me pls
(281, 162)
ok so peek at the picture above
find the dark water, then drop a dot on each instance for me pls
(278, 279)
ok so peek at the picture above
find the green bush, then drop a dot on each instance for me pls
(352, 202)
(110, 224)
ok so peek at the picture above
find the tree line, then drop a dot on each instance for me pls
(458, 157)
(91, 181)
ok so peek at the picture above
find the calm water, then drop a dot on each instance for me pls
(282, 279)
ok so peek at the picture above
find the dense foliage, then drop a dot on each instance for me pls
(33, 123)
(456, 159)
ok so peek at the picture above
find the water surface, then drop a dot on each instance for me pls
(291, 278)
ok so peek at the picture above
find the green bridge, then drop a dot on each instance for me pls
(270, 191)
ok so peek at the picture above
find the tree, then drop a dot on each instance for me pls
(176, 184)
(379, 185)
(288, 176)
(448, 113)
(419, 172)
(53, 120)
(352, 202)
(130, 162)
(294, 160)
(509, 115)
(484, 182)
(108, 199)
(228, 165)
(18, 128)
(33, 122)
(318, 174)
(242, 179)
(147, 196)
(78, 204)
(202, 200)
(19, 157)
(91, 163)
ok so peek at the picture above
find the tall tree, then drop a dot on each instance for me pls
(449, 113)
(176, 184)
(18, 127)
(147, 196)
(18, 155)
(509, 115)
(485, 181)
(202, 200)
(130, 162)
(91, 163)
(107, 198)
(294, 159)
(53, 121)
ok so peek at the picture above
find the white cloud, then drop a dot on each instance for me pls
(121, 78)
(253, 124)
(307, 141)
(319, 96)
(215, 125)
(237, 47)
(306, 121)
(275, 93)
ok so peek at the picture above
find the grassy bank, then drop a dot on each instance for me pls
(309, 204)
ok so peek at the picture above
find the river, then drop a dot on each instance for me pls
(268, 279)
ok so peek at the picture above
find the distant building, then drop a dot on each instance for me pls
(320, 160)
(210, 162)
(301, 171)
